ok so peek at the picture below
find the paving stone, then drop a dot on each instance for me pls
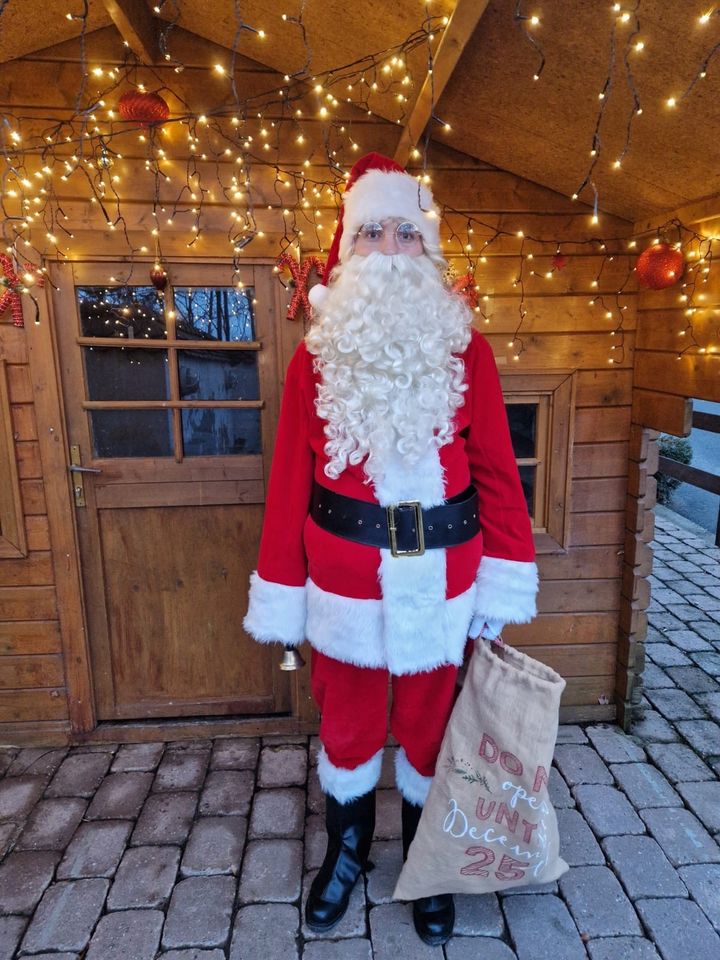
(542, 928)
(37, 761)
(683, 566)
(613, 745)
(227, 793)
(393, 934)
(283, 740)
(707, 630)
(686, 612)
(664, 621)
(607, 810)
(675, 704)
(665, 595)
(709, 662)
(652, 728)
(215, 845)
(666, 655)
(185, 747)
(478, 916)
(53, 956)
(79, 775)
(388, 825)
(622, 948)
(654, 676)
(51, 824)
(315, 843)
(679, 763)
(314, 750)
(645, 786)
(704, 801)
(387, 769)
(235, 753)
(598, 902)
(338, 950)
(282, 767)
(558, 791)
(570, 733)
(710, 702)
(703, 882)
(128, 935)
(353, 922)
(644, 869)
(24, 875)
(703, 601)
(470, 948)
(199, 913)
(138, 756)
(189, 955)
(11, 929)
(278, 813)
(551, 887)
(680, 929)
(66, 916)
(250, 939)
(120, 797)
(165, 818)
(145, 878)
(581, 764)
(693, 679)
(703, 735)
(687, 640)
(578, 846)
(271, 871)
(682, 836)
(315, 796)
(95, 850)
(18, 795)
(9, 831)
(387, 857)
(181, 771)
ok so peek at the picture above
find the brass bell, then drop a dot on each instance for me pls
(291, 659)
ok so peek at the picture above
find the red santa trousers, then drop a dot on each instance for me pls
(353, 726)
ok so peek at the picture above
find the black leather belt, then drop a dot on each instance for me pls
(405, 528)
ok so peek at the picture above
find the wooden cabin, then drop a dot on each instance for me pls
(133, 474)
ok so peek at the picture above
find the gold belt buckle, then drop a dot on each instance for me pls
(390, 511)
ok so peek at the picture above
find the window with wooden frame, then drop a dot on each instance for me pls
(12, 525)
(540, 413)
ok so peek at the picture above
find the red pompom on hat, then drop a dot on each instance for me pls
(378, 188)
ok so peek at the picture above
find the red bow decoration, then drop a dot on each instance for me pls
(300, 273)
(11, 297)
(465, 287)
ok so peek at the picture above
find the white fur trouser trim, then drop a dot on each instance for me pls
(347, 785)
(411, 784)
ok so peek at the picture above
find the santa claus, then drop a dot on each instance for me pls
(395, 522)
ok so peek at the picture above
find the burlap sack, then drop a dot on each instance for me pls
(488, 823)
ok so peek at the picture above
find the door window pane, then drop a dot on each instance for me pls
(522, 418)
(132, 433)
(214, 313)
(218, 375)
(211, 432)
(131, 313)
(113, 373)
(527, 478)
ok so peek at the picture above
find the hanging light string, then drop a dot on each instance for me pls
(521, 21)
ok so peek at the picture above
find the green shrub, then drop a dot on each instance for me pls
(675, 448)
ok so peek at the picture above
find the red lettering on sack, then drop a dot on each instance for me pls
(510, 763)
(488, 742)
(480, 812)
(527, 834)
(490, 751)
(511, 869)
(504, 813)
(541, 779)
(477, 867)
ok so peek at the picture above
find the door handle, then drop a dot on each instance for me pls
(76, 468)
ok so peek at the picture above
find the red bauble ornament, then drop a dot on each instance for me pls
(159, 277)
(146, 109)
(660, 266)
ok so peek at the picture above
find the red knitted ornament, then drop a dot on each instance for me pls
(660, 266)
(146, 109)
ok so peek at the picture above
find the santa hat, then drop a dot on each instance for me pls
(378, 188)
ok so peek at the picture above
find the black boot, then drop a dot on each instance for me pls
(350, 828)
(434, 917)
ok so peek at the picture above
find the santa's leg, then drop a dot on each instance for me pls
(422, 703)
(353, 704)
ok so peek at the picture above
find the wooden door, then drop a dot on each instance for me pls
(171, 403)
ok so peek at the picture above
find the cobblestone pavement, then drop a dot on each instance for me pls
(205, 850)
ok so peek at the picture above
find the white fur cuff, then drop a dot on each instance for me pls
(347, 785)
(411, 784)
(276, 612)
(506, 590)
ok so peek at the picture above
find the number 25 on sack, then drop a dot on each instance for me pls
(488, 823)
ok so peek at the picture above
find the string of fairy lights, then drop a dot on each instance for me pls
(234, 159)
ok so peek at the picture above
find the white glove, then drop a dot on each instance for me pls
(487, 629)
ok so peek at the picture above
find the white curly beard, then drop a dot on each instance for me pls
(385, 344)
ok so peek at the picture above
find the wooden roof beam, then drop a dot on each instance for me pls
(137, 26)
(695, 212)
(465, 17)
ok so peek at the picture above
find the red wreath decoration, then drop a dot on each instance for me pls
(465, 287)
(660, 266)
(300, 273)
(146, 109)
(11, 297)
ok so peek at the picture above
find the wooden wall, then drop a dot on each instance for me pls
(581, 596)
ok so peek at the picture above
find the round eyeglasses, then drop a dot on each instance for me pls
(406, 233)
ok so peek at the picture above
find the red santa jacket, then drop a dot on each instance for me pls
(359, 604)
